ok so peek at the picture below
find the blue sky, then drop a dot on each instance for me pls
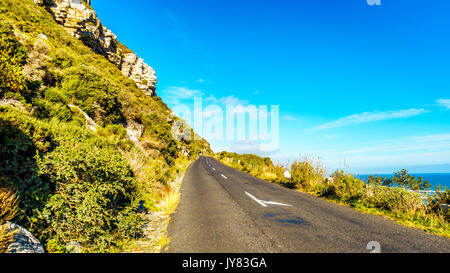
(363, 87)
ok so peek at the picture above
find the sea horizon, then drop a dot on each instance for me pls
(435, 179)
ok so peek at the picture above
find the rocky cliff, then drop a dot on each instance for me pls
(79, 19)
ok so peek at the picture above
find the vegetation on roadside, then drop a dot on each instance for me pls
(8, 210)
(254, 165)
(72, 184)
(397, 198)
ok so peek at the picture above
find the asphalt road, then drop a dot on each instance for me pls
(223, 210)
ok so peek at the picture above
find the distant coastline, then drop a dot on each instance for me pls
(435, 179)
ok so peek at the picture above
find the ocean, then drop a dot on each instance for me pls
(435, 179)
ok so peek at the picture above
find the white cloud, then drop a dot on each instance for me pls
(329, 136)
(444, 102)
(176, 93)
(211, 99)
(200, 80)
(289, 117)
(212, 113)
(230, 100)
(406, 151)
(367, 117)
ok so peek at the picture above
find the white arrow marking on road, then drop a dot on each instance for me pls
(257, 200)
(224, 176)
(265, 203)
(276, 203)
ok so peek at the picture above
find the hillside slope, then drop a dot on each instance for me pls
(82, 146)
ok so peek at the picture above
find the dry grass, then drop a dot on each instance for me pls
(155, 231)
(170, 202)
(308, 172)
(269, 176)
(8, 204)
(5, 238)
(8, 210)
(147, 171)
(172, 197)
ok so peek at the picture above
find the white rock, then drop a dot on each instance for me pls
(24, 241)
(43, 37)
(287, 174)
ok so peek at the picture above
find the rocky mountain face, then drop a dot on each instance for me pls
(79, 19)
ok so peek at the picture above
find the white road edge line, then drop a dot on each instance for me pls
(257, 200)
(224, 176)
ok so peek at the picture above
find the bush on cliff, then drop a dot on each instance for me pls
(13, 57)
(72, 185)
(94, 191)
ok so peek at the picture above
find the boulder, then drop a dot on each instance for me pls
(24, 241)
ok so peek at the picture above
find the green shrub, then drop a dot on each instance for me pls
(378, 180)
(307, 173)
(72, 185)
(61, 59)
(95, 95)
(170, 153)
(156, 126)
(19, 147)
(94, 191)
(405, 180)
(288, 183)
(261, 167)
(345, 187)
(392, 198)
(44, 109)
(440, 197)
(13, 57)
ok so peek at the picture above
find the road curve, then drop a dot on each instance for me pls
(223, 210)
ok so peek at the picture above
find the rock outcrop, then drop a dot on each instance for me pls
(24, 241)
(134, 129)
(134, 132)
(90, 123)
(80, 20)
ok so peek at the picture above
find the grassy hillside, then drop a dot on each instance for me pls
(74, 184)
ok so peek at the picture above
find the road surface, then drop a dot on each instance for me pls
(223, 210)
